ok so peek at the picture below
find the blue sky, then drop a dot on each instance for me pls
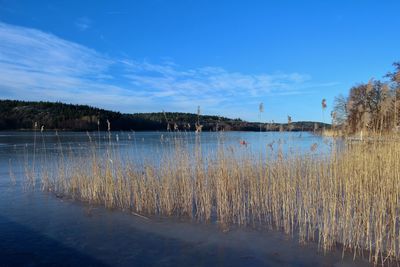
(226, 56)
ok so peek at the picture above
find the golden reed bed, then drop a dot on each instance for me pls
(348, 198)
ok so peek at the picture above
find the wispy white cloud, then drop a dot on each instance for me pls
(35, 65)
(168, 80)
(83, 23)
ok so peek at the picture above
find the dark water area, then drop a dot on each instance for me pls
(40, 229)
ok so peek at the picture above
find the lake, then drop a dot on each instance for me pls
(40, 229)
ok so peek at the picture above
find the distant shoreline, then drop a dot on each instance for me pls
(150, 131)
(18, 115)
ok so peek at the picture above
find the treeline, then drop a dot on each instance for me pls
(22, 115)
(372, 106)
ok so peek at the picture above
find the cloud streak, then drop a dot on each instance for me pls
(35, 65)
(83, 23)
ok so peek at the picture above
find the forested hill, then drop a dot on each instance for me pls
(22, 115)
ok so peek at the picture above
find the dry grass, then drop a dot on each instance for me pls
(349, 197)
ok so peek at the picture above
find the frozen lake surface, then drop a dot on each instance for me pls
(39, 229)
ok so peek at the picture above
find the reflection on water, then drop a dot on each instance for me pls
(38, 229)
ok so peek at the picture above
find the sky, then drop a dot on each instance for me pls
(224, 56)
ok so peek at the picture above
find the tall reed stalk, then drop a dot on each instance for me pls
(350, 196)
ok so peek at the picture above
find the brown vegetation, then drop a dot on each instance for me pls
(349, 197)
(373, 107)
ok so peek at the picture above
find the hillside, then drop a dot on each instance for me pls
(21, 115)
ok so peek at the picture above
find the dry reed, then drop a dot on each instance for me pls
(348, 197)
